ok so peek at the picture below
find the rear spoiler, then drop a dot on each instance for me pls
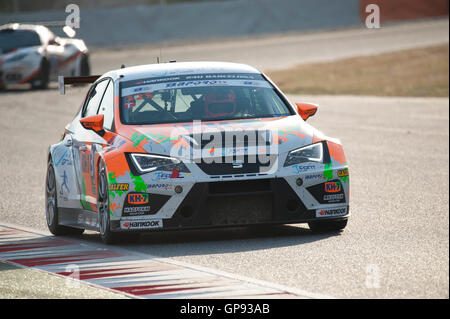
(63, 80)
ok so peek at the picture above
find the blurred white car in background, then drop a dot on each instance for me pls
(33, 54)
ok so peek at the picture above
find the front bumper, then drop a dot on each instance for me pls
(224, 195)
(235, 203)
(17, 73)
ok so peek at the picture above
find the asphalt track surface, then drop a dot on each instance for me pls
(395, 246)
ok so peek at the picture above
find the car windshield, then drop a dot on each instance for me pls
(14, 39)
(204, 97)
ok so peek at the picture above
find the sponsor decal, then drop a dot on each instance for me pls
(66, 161)
(328, 192)
(112, 181)
(139, 89)
(342, 172)
(126, 92)
(332, 187)
(160, 186)
(144, 224)
(161, 175)
(139, 210)
(196, 83)
(64, 184)
(304, 168)
(333, 198)
(164, 77)
(137, 204)
(62, 156)
(13, 77)
(313, 176)
(137, 199)
(119, 187)
(333, 212)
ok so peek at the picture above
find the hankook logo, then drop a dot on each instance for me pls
(144, 224)
(152, 223)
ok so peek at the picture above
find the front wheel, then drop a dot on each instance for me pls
(51, 207)
(325, 226)
(108, 237)
(40, 81)
(85, 68)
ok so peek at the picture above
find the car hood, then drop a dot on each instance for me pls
(179, 140)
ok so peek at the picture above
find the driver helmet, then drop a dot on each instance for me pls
(220, 104)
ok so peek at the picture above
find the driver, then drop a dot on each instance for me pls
(220, 103)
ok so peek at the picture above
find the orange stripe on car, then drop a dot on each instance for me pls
(32, 75)
(69, 60)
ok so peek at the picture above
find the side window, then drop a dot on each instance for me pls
(95, 96)
(107, 106)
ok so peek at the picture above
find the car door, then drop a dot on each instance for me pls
(61, 55)
(86, 143)
(55, 56)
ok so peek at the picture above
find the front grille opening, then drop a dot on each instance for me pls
(186, 211)
(258, 185)
(292, 205)
(240, 210)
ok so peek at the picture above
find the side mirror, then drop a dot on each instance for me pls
(94, 122)
(306, 110)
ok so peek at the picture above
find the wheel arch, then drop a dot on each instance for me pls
(45, 61)
(114, 160)
(50, 157)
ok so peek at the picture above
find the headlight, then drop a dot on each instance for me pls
(15, 58)
(310, 153)
(146, 163)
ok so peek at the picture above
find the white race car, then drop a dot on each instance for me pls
(33, 54)
(187, 145)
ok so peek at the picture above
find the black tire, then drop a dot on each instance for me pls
(327, 226)
(108, 237)
(85, 68)
(40, 81)
(51, 207)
